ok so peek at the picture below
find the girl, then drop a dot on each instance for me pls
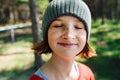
(66, 29)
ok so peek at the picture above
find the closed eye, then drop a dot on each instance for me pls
(77, 27)
(57, 26)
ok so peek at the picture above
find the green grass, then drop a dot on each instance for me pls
(16, 60)
(106, 39)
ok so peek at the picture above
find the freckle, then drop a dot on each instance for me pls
(55, 31)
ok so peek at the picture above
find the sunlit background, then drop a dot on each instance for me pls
(18, 61)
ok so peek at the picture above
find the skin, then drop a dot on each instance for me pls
(66, 38)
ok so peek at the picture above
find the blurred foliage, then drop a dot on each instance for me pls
(104, 38)
(102, 9)
(41, 4)
(21, 1)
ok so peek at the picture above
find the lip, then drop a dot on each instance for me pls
(66, 44)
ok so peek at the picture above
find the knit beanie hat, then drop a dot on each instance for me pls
(57, 8)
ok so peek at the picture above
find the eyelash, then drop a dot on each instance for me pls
(78, 27)
(57, 26)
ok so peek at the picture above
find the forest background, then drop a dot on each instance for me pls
(18, 61)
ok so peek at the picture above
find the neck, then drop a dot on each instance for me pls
(61, 63)
(60, 68)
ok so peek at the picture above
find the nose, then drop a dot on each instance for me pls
(68, 33)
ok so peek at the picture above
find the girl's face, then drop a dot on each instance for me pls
(66, 36)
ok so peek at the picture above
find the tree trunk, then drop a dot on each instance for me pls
(102, 12)
(35, 31)
(50, 0)
(116, 9)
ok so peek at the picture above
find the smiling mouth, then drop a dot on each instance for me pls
(67, 44)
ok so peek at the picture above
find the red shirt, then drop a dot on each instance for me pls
(85, 73)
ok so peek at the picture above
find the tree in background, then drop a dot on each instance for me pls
(35, 31)
(50, 0)
(109, 9)
(8, 9)
(41, 5)
(12, 11)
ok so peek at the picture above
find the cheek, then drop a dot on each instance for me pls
(54, 32)
(52, 36)
(52, 39)
(82, 34)
(82, 37)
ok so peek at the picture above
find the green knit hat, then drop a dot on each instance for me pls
(57, 8)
